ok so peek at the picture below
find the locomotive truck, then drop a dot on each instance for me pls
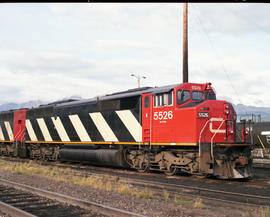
(170, 128)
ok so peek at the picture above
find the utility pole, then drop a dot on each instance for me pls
(138, 79)
(185, 43)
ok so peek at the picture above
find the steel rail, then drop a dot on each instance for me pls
(88, 205)
(174, 187)
(169, 185)
(13, 211)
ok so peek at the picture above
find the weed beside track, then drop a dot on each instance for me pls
(110, 183)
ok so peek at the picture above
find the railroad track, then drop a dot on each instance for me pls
(191, 189)
(24, 201)
(195, 191)
(206, 193)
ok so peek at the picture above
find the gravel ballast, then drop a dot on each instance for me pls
(156, 206)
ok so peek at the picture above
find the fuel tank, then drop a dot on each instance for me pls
(100, 156)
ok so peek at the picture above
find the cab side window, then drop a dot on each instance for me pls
(163, 99)
(182, 96)
(146, 102)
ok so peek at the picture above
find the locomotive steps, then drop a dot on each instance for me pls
(38, 202)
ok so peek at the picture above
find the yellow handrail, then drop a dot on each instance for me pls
(261, 142)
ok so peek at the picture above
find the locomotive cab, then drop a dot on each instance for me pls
(196, 131)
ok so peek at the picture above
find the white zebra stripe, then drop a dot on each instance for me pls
(60, 129)
(44, 129)
(1, 134)
(78, 126)
(103, 127)
(30, 131)
(9, 130)
(131, 124)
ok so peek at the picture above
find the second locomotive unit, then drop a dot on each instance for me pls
(176, 127)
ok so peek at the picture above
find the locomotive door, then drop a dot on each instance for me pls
(146, 117)
(19, 125)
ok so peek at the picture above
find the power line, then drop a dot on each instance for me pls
(249, 21)
(217, 56)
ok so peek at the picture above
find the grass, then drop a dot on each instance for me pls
(198, 203)
(257, 212)
(248, 212)
(265, 212)
(166, 195)
(67, 175)
(182, 200)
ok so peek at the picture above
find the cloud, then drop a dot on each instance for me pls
(232, 19)
(60, 50)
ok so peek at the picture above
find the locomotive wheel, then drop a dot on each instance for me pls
(171, 171)
(143, 168)
(144, 164)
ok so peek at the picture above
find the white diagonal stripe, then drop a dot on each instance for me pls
(9, 130)
(1, 134)
(60, 129)
(131, 124)
(78, 126)
(30, 131)
(103, 127)
(44, 129)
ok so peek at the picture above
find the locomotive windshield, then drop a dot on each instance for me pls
(182, 96)
(209, 95)
(197, 95)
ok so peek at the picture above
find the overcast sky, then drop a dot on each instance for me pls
(53, 51)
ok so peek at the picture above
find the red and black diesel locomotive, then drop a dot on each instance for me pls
(176, 127)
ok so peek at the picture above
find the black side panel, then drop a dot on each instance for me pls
(71, 132)
(51, 129)
(129, 103)
(90, 127)
(135, 108)
(9, 117)
(109, 105)
(117, 126)
(12, 125)
(37, 130)
(83, 112)
(108, 109)
(4, 131)
(136, 113)
(39, 112)
(27, 137)
(6, 116)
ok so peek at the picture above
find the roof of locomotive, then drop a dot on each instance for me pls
(118, 95)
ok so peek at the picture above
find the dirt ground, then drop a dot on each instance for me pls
(158, 206)
(3, 214)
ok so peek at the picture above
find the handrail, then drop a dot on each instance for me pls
(200, 143)
(212, 150)
(18, 133)
(21, 133)
(201, 135)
